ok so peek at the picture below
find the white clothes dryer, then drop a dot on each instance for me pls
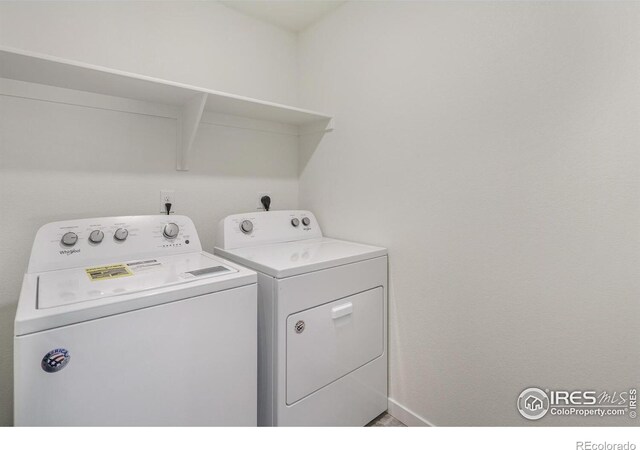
(322, 319)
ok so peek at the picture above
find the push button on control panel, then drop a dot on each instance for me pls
(69, 239)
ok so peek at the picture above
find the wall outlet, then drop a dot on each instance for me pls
(259, 206)
(167, 196)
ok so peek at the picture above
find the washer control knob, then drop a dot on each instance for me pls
(170, 230)
(121, 234)
(246, 226)
(69, 239)
(295, 222)
(96, 236)
(306, 221)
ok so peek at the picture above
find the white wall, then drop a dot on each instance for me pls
(198, 43)
(493, 148)
(62, 161)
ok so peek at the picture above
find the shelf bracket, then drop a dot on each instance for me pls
(188, 122)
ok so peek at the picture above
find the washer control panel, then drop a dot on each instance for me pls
(75, 243)
(269, 227)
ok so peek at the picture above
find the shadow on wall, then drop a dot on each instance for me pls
(237, 152)
(308, 142)
(7, 313)
(40, 135)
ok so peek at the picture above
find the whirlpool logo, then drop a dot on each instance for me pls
(70, 252)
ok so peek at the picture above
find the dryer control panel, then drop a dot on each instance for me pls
(268, 227)
(75, 243)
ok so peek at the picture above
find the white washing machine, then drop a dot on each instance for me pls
(322, 319)
(126, 321)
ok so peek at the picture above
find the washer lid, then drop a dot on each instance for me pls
(294, 258)
(64, 287)
(64, 297)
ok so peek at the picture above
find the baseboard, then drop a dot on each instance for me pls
(406, 416)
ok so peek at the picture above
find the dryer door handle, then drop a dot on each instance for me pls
(343, 310)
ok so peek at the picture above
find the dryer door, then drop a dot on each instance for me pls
(329, 341)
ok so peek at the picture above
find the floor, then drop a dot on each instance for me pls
(385, 420)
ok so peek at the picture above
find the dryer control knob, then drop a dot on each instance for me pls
(69, 239)
(306, 221)
(121, 234)
(246, 226)
(170, 230)
(295, 222)
(96, 236)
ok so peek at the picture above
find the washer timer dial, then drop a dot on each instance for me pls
(170, 230)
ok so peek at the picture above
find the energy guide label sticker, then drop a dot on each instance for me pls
(108, 272)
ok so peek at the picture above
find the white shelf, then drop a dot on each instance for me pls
(191, 101)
